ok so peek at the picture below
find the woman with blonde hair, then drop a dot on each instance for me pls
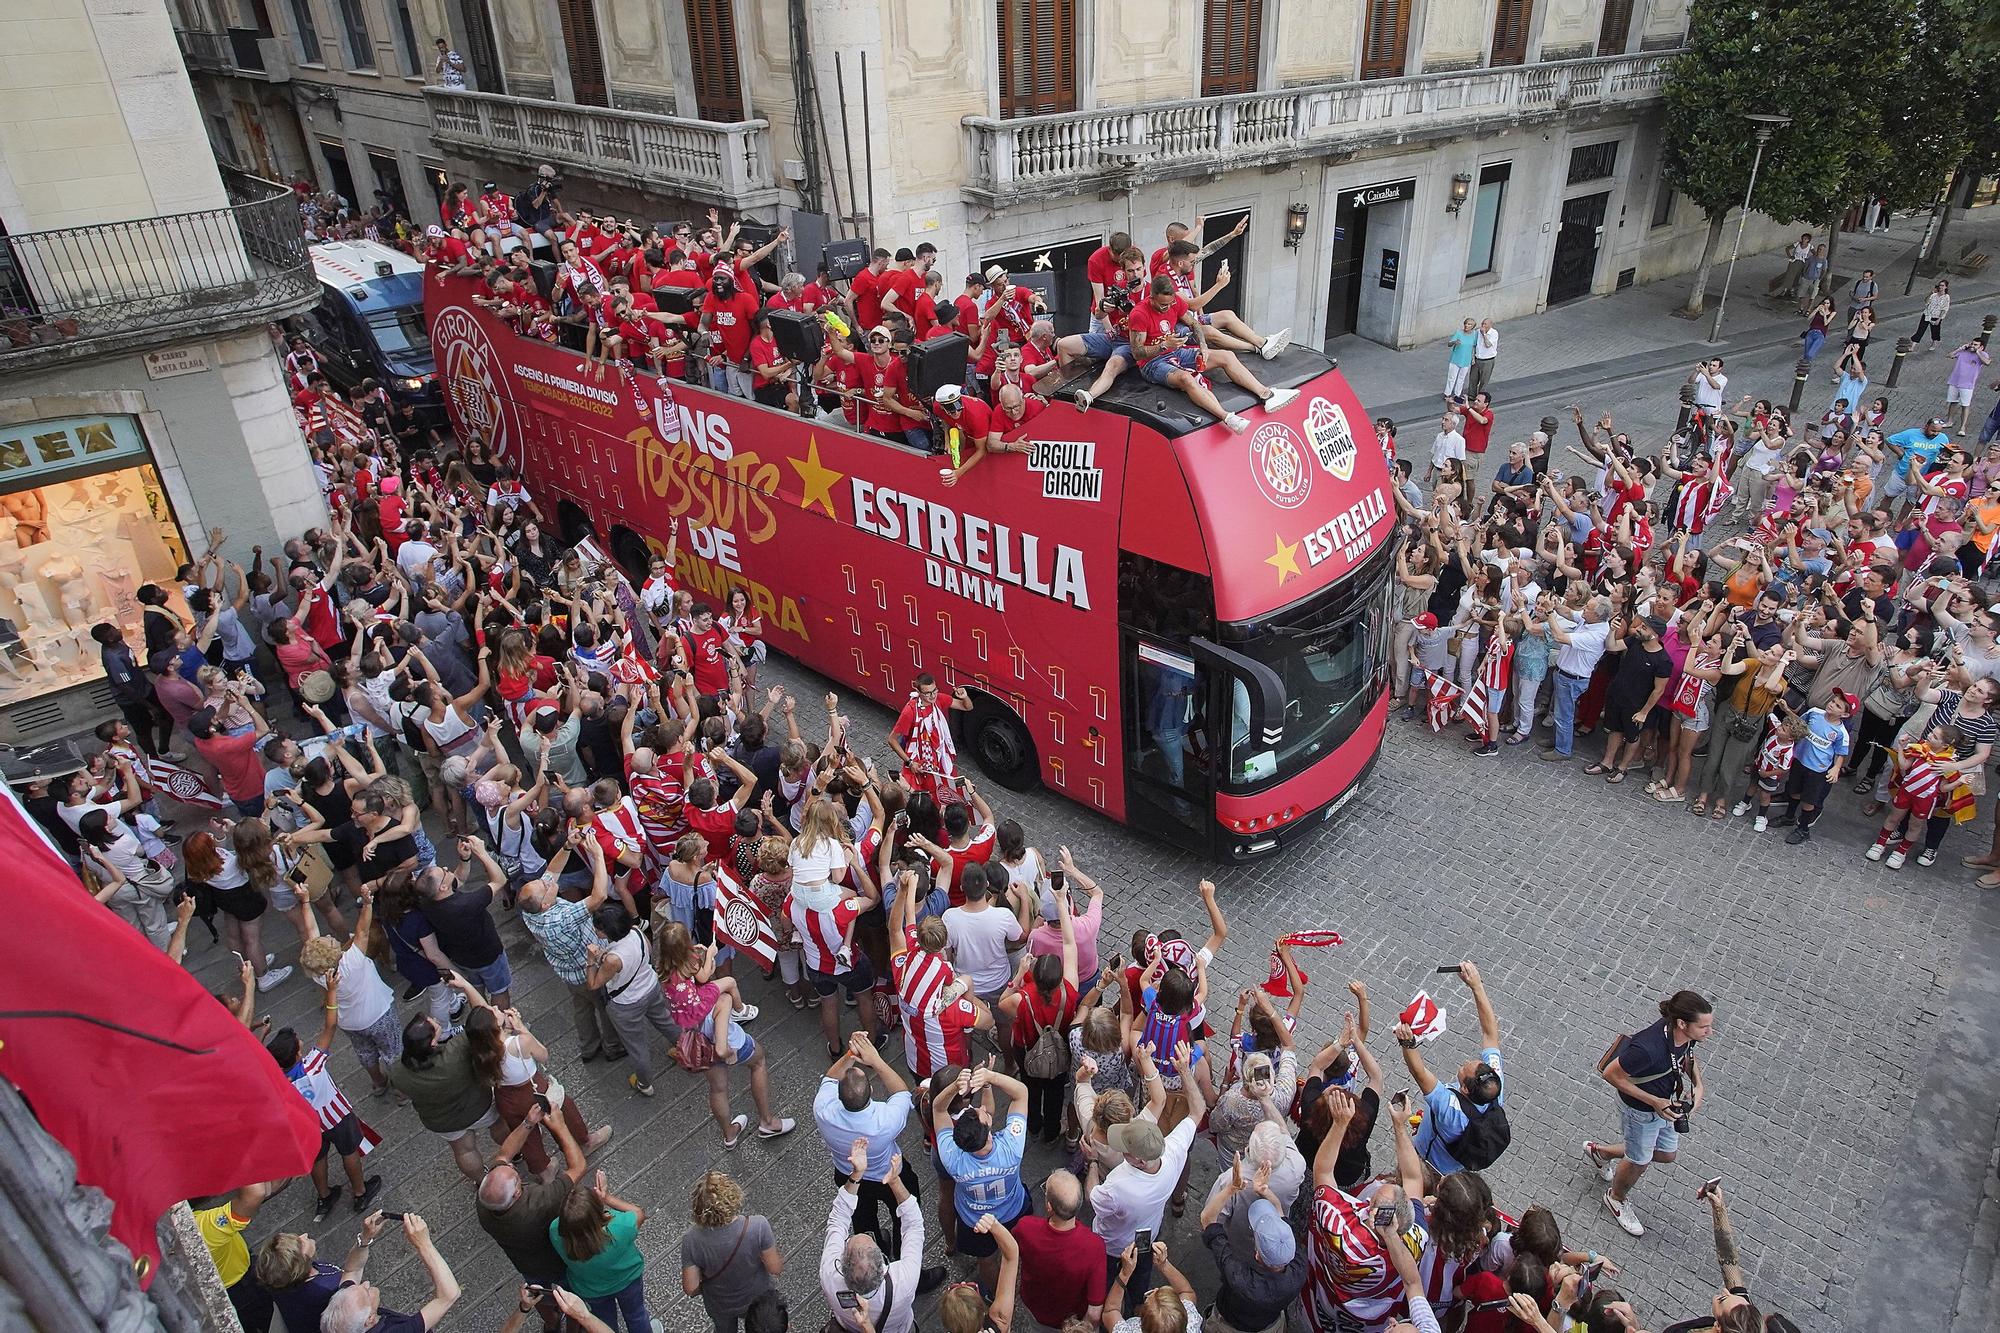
(821, 849)
(596, 1235)
(289, 1267)
(728, 1258)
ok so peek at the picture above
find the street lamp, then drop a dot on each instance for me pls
(1766, 124)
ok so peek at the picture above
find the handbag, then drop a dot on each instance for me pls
(312, 873)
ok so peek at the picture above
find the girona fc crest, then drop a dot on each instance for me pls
(1278, 463)
(1332, 441)
(471, 371)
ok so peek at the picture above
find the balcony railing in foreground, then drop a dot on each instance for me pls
(150, 277)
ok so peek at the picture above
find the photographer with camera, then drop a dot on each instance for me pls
(1658, 1079)
(539, 208)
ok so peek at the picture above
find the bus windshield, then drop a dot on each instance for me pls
(1330, 659)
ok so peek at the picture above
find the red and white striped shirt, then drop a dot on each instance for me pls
(820, 933)
(316, 1085)
(919, 975)
(1498, 668)
(933, 1034)
(1954, 490)
(1349, 1279)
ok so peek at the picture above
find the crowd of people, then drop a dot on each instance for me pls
(438, 726)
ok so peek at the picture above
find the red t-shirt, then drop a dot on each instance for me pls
(1032, 357)
(714, 826)
(1068, 1267)
(973, 418)
(1159, 263)
(1031, 407)
(905, 283)
(867, 289)
(1477, 433)
(924, 315)
(1103, 269)
(895, 378)
(319, 620)
(236, 763)
(731, 321)
(707, 662)
(968, 316)
(677, 277)
(813, 298)
(976, 852)
(764, 352)
(1154, 324)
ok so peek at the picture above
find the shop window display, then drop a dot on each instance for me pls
(74, 552)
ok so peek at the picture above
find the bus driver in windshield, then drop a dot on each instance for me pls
(1165, 357)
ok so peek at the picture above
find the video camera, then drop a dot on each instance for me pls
(1116, 297)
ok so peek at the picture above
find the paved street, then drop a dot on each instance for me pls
(1583, 904)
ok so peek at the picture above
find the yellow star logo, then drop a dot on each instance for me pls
(1285, 560)
(816, 480)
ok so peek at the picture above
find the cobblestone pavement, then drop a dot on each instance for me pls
(1583, 905)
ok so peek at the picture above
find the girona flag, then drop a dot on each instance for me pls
(1444, 701)
(741, 918)
(153, 1087)
(1275, 985)
(1474, 709)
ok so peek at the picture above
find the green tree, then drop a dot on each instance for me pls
(1797, 58)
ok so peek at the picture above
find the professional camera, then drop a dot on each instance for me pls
(1116, 297)
(1680, 1111)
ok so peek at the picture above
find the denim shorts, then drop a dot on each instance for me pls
(494, 977)
(1646, 1134)
(739, 1040)
(1102, 347)
(1159, 368)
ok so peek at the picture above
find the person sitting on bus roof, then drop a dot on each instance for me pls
(1166, 358)
(1008, 373)
(1106, 341)
(1039, 359)
(1226, 328)
(974, 422)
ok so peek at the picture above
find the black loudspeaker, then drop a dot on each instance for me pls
(679, 300)
(757, 233)
(810, 233)
(800, 337)
(844, 259)
(1043, 284)
(936, 363)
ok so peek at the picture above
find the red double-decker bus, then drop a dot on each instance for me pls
(1184, 629)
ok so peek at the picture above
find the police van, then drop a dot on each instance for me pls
(369, 324)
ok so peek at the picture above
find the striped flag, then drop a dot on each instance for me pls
(740, 917)
(183, 784)
(1444, 701)
(1473, 710)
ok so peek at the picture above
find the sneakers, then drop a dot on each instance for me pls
(323, 1208)
(1761, 824)
(1605, 1168)
(1409, 714)
(1875, 850)
(1802, 834)
(930, 1279)
(1785, 819)
(1927, 857)
(1553, 757)
(1280, 399)
(1486, 751)
(1627, 1215)
(369, 1189)
(746, 1014)
(1896, 858)
(598, 1138)
(275, 977)
(643, 1089)
(1082, 399)
(1740, 809)
(1275, 344)
(1237, 425)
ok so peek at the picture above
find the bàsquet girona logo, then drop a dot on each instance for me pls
(471, 371)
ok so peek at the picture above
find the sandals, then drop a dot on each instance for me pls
(1594, 770)
(785, 1126)
(1700, 807)
(1719, 812)
(734, 1135)
(1668, 796)
(1615, 777)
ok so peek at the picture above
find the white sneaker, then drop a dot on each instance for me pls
(273, 978)
(1237, 425)
(1874, 852)
(1763, 822)
(1605, 1169)
(1083, 400)
(1896, 859)
(745, 1013)
(1275, 344)
(1740, 809)
(1280, 399)
(1627, 1215)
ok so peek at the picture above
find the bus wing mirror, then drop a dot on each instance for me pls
(1267, 692)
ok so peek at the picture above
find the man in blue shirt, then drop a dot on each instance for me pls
(845, 1111)
(1449, 1110)
(984, 1165)
(1816, 764)
(1922, 443)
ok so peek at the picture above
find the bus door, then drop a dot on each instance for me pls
(1168, 724)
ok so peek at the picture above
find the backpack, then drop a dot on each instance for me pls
(1048, 1056)
(1487, 1135)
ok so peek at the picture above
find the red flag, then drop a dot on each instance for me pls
(183, 784)
(1474, 709)
(154, 1088)
(1275, 985)
(741, 919)
(1444, 701)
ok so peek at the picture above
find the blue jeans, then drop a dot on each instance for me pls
(1815, 339)
(631, 1303)
(1568, 690)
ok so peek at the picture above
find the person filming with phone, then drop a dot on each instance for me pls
(1658, 1080)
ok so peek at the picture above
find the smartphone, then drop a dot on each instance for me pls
(848, 1300)
(1385, 1215)
(1452, 968)
(1056, 880)
(1142, 1241)
(1708, 1186)
(388, 1216)
(535, 1291)
(542, 1101)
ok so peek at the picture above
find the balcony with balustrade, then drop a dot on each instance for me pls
(708, 162)
(122, 285)
(1109, 148)
(243, 52)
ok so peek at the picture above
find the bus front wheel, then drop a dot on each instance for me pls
(1003, 747)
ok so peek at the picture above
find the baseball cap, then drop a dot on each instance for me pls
(1137, 1138)
(201, 723)
(1276, 1242)
(1655, 624)
(997, 273)
(434, 231)
(1847, 697)
(882, 330)
(948, 396)
(1425, 620)
(492, 185)
(1049, 909)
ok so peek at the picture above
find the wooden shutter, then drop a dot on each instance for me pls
(1617, 27)
(718, 71)
(586, 53)
(1037, 56)
(1510, 31)
(1230, 39)
(1386, 43)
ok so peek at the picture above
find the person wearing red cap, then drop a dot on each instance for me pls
(1430, 650)
(1816, 763)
